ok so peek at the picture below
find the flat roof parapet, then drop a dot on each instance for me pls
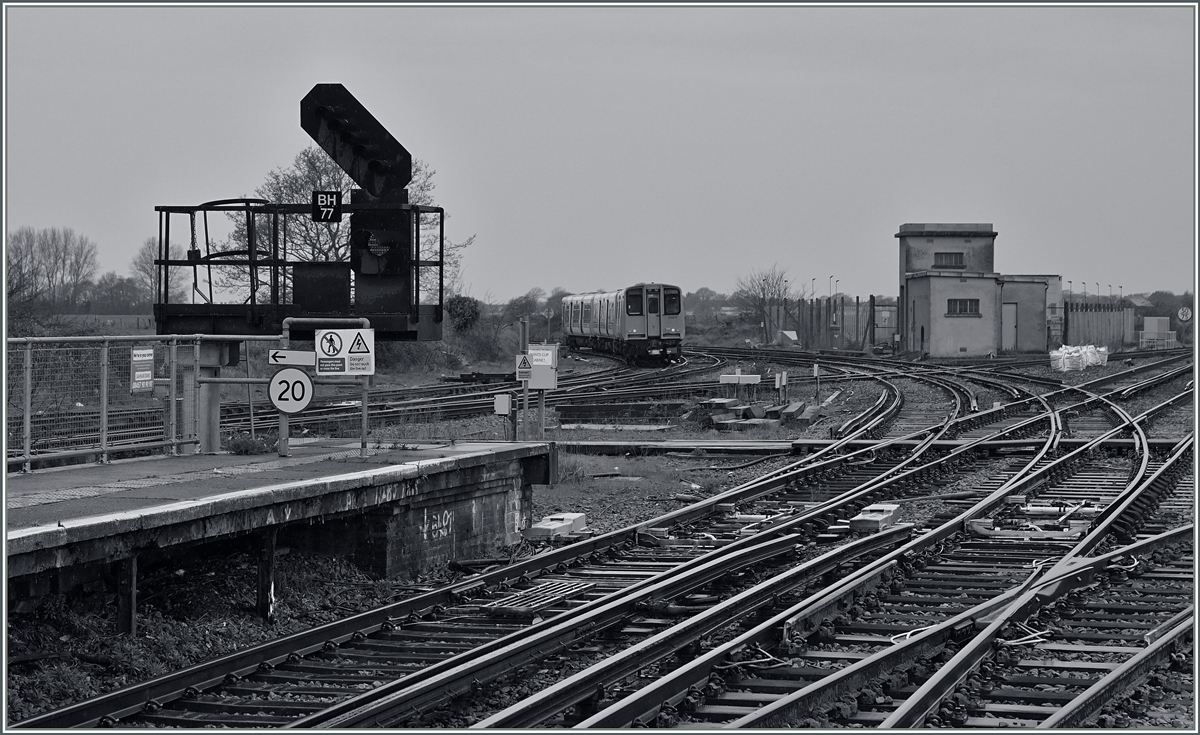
(934, 229)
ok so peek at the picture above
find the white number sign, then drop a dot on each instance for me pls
(291, 390)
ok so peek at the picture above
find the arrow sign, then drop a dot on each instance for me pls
(291, 357)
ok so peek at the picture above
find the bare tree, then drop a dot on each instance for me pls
(308, 241)
(143, 270)
(79, 268)
(47, 274)
(23, 281)
(763, 294)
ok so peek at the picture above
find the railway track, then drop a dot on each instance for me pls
(871, 652)
(633, 582)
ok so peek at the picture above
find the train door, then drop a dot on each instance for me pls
(653, 312)
(634, 315)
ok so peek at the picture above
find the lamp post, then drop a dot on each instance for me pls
(1122, 292)
(1097, 294)
(1071, 287)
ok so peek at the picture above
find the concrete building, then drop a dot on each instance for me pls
(953, 303)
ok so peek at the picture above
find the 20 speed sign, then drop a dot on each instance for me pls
(291, 390)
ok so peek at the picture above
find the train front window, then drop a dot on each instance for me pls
(652, 303)
(671, 301)
(633, 303)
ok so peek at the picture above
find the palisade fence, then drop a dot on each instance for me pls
(74, 396)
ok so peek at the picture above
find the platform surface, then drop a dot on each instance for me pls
(53, 496)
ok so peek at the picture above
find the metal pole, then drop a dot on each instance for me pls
(173, 373)
(842, 324)
(249, 392)
(104, 402)
(28, 403)
(281, 443)
(542, 412)
(524, 332)
(196, 392)
(366, 423)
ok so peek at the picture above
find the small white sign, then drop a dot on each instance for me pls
(524, 368)
(345, 351)
(291, 390)
(141, 370)
(543, 355)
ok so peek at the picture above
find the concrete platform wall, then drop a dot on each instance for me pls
(396, 520)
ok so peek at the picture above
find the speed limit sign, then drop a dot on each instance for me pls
(291, 390)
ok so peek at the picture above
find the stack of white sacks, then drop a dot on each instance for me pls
(1077, 358)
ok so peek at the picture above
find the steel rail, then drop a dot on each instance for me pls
(1124, 678)
(917, 708)
(676, 688)
(1060, 579)
(343, 630)
(407, 697)
(1039, 588)
(454, 676)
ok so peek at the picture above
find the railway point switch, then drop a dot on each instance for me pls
(559, 524)
(875, 517)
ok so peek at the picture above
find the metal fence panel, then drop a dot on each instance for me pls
(73, 396)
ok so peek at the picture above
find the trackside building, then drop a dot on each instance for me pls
(953, 303)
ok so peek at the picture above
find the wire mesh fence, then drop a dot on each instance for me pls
(75, 396)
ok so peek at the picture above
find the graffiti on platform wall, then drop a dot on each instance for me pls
(436, 526)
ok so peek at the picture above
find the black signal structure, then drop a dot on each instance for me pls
(252, 286)
(354, 138)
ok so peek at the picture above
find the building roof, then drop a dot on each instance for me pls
(1140, 301)
(934, 273)
(935, 229)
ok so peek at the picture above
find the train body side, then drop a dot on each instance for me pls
(641, 323)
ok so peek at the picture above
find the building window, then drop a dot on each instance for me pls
(962, 307)
(949, 260)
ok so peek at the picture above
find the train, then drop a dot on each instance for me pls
(642, 323)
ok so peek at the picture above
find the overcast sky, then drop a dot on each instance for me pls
(591, 148)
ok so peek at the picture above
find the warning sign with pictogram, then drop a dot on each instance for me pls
(524, 369)
(345, 351)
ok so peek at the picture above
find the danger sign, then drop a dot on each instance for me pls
(345, 351)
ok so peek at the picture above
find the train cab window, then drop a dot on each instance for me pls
(633, 303)
(652, 303)
(671, 302)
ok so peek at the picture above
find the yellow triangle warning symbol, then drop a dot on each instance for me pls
(359, 346)
(524, 364)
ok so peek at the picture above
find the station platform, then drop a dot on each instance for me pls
(398, 511)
